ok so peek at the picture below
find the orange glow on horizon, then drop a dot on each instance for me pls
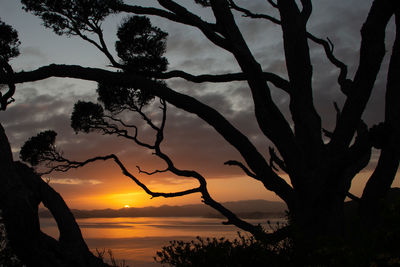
(125, 194)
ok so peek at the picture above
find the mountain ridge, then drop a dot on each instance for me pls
(246, 209)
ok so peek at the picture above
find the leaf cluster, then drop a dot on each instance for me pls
(9, 42)
(86, 115)
(70, 16)
(141, 46)
(38, 148)
(119, 98)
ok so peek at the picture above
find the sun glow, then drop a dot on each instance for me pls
(127, 206)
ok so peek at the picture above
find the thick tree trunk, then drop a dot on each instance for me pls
(21, 191)
(319, 213)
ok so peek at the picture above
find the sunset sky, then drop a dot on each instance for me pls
(189, 141)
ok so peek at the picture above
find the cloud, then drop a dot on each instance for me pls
(73, 181)
(31, 51)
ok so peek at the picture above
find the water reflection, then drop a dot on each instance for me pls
(137, 239)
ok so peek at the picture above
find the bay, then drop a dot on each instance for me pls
(137, 239)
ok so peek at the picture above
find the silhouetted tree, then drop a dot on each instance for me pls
(22, 190)
(320, 168)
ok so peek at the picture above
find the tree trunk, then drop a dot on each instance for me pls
(319, 214)
(21, 191)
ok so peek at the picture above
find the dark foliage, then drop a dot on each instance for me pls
(379, 247)
(86, 115)
(9, 42)
(141, 46)
(362, 245)
(223, 252)
(118, 98)
(37, 148)
(7, 256)
(70, 16)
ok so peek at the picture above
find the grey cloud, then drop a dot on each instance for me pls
(32, 51)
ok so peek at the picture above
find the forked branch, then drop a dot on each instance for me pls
(326, 44)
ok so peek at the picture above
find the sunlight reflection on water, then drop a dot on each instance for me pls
(136, 240)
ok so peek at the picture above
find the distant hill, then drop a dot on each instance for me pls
(247, 209)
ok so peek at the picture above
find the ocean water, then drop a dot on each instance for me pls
(136, 240)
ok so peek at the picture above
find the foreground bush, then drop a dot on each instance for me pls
(243, 251)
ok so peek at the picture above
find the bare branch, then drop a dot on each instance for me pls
(121, 122)
(328, 47)
(105, 49)
(151, 173)
(244, 168)
(66, 165)
(121, 7)
(111, 129)
(275, 159)
(178, 14)
(248, 13)
(93, 27)
(267, 112)
(307, 9)
(276, 80)
(372, 52)
(147, 119)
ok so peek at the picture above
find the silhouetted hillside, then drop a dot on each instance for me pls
(245, 209)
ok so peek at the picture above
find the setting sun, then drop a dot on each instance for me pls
(127, 206)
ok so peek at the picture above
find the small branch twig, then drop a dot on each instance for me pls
(151, 173)
(275, 159)
(244, 168)
(326, 44)
(248, 13)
